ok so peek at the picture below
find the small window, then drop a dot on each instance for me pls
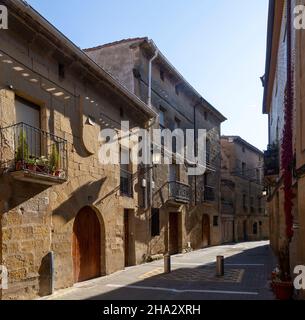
(244, 201)
(61, 71)
(255, 228)
(244, 149)
(162, 118)
(215, 221)
(243, 168)
(177, 123)
(205, 115)
(162, 74)
(177, 90)
(155, 222)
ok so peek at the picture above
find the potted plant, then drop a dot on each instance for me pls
(42, 164)
(54, 161)
(31, 165)
(282, 284)
(22, 152)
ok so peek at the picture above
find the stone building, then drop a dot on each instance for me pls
(284, 104)
(55, 196)
(189, 215)
(243, 212)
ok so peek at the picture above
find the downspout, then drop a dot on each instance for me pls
(150, 127)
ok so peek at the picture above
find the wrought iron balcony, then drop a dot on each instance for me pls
(126, 183)
(271, 161)
(179, 192)
(33, 155)
(208, 194)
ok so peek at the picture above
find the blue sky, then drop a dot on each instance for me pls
(219, 46)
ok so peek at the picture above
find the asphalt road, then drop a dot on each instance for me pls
(247, 269)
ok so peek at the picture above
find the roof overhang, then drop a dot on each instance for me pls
(31, 16)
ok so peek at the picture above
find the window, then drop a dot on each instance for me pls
(27, 113)
(155, 222)
(215, 221)
(162, 118)
(255, 228)
(243, 169)
(244, 201)
(244, 149)
(61, 71)
(125, 174)
(177, 89)
(205, 115)
(258, 176)
(162, 74)
(177, 123)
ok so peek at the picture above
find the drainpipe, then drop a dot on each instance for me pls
(150, 106)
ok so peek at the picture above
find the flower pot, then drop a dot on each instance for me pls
(31, 167)
(41, 168)
(19, 165)
(283, 290)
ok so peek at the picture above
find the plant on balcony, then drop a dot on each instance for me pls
(22, 153)
(31, 164)
(42, 164)
(54, 162)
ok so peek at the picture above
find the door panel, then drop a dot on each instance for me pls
(173, 233)
(86, 246)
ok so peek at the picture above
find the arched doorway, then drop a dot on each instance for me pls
(205, 230)
(86, 246)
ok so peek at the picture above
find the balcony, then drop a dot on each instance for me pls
(126, 184)
(208, 194)
(33, 155)
(271, 161)
(179, 192)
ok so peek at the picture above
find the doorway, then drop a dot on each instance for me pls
(86, 245)
(206, 231)
(245, 231)
(173, 233)
(126, 237)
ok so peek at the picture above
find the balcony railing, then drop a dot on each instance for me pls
(271, 161)
(208, 194)
(34, 155)
(179, 192)
(126, 183)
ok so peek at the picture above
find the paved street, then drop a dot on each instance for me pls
(247, 268)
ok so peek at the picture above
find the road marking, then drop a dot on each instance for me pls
(182, 291)
(245, 264)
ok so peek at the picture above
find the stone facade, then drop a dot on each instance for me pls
(179, 106)
(37, 211)
(244, 211)
(274, 105)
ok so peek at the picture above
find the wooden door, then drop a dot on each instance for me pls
(86, 246)
(173, 233)
(206, 230)
(126, 237)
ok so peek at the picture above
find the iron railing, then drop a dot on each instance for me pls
(179, 192)
(26, 148)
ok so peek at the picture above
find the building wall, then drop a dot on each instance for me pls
(237, 211)
(36, 219)
(179, 106)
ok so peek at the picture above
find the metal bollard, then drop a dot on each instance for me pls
(167, 263)
(220, 266)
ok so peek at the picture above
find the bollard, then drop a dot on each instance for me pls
(167, 263)
(220, 266)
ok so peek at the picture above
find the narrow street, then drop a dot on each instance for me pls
(247, 268)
